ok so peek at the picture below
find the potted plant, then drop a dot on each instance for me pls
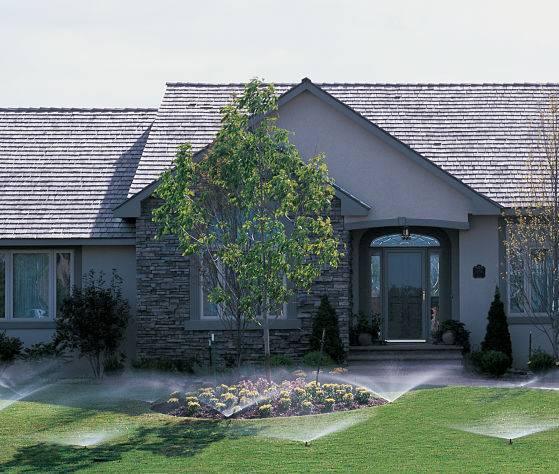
(365, 329)
(452, 332)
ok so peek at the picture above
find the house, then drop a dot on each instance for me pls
(423, 175)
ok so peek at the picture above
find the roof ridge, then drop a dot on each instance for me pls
(377, 84)
(78, 109)
(443, 84)
(226, 84)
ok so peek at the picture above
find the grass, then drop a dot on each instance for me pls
(409, 435)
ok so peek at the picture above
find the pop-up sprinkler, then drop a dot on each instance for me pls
(510, 440)
(306, 444)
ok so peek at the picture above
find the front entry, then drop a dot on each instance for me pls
(405, 295)
(404, 287)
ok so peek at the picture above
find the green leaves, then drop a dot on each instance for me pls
(251, 209)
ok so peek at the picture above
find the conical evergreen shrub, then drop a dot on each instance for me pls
(326, 318)
(497, 336)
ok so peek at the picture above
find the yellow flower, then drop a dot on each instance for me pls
(348, 397)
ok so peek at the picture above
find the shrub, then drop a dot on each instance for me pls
(497, 336)
(173, 402)
(284, 403)
(114, 363)
(312, 359)
(93, 319)
(461, 334)
(192, 407)
(541, 362)
(325, 319)
(280, 360)
(41, 350)
(10, 348)
(492, 363)
(265, 410)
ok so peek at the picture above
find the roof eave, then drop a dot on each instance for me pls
(132, 207)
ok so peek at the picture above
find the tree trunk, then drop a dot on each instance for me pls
(267, 361)
(239, 342)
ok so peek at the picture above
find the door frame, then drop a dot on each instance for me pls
(423, 251)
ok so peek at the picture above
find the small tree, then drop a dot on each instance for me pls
(252, 211)
(532, 240)
(326, 319)
(497, 336)
(93, 319)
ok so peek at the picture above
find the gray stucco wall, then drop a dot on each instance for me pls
(369, 168)
(478, 245)
(482, 244)
(164, 302)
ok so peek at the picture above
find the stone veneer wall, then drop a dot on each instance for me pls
(163, 276)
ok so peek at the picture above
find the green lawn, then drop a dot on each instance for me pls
(410, 435)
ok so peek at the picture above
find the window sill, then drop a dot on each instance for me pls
(27, 324)
(217, 325)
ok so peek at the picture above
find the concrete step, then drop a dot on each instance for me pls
(406, 352)
(387, 356)
(406, 346)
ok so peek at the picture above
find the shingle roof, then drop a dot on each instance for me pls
(480, 133)
(62, 171)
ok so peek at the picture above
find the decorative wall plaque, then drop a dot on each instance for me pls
(479, 271)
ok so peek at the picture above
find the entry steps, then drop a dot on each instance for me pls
(402, 351)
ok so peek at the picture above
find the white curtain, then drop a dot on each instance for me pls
(31, 285)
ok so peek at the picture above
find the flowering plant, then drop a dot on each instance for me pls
(260, 398)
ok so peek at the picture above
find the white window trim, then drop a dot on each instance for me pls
(9, 281)
(525, 283)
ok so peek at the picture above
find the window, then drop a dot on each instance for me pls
(396, 240)
(529, 280)
(434, 288)
(33, 283)
(209, 310)
(375, 283)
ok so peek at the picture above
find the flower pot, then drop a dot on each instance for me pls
(448, 338)
(365, 339)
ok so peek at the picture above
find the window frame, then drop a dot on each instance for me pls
(526, 284)
(9, 281)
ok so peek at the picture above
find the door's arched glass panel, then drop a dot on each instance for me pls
(414, 240)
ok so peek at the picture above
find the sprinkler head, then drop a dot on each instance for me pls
(510, 440)
(306, 444)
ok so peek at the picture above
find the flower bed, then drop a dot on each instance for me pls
(262, 399)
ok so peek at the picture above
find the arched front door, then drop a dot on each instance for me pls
(405, 285)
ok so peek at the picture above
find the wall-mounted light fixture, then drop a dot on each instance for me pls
(406, 233)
